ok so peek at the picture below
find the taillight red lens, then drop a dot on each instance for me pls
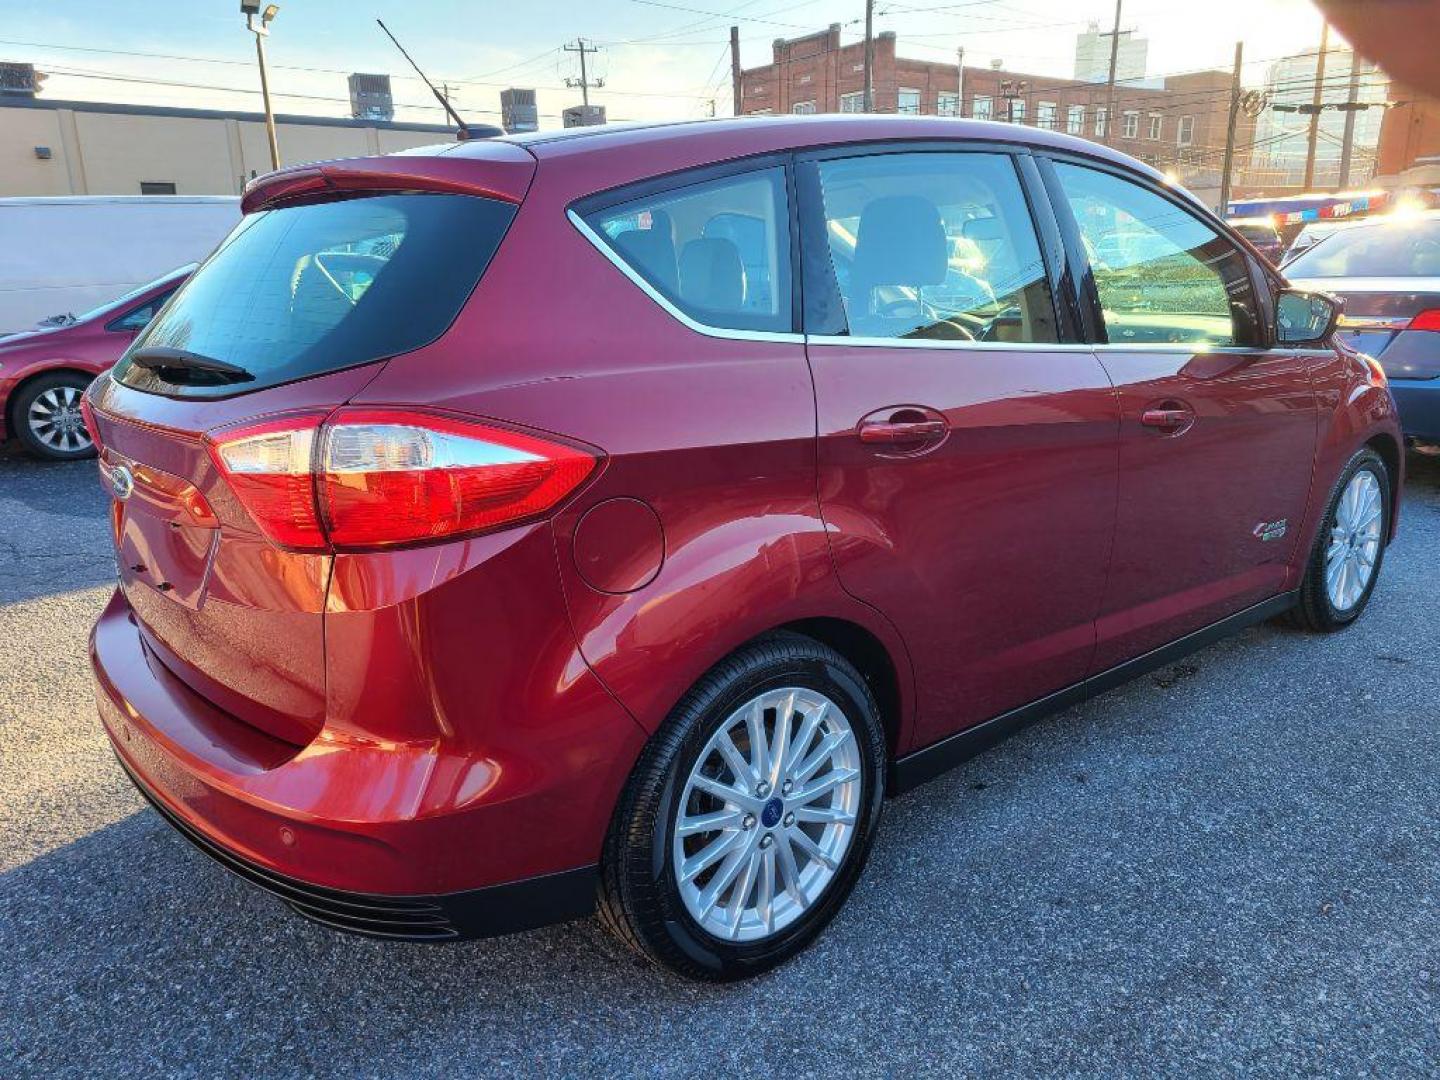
(1426, 320)
(392, 476)
(379, 477)
(269, 466)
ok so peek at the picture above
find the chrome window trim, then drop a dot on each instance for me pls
(670, 309)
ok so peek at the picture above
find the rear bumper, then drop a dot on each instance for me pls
(1418, 401)
(400, 840)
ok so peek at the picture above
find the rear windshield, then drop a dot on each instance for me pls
(1394, 249)
(303, 290)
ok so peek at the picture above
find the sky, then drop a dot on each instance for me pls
(660, 59)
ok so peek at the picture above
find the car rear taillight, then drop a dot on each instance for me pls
(368, 478)
(1426, 320)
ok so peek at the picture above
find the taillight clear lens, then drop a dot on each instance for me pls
(1426, 320)
(376, 478)
(393, 476)
(268, 466)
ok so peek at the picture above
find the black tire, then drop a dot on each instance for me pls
(640, 900)
(1316, 611)
(75, 443)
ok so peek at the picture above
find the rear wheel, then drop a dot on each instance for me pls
(47, 419)
(1350, 547)
(750, 815)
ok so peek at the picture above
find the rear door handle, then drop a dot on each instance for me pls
(891, 432)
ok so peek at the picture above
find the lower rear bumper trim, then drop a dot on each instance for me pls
(476, 913)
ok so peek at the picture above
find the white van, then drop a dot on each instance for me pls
(73, 253)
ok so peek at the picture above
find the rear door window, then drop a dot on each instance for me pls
(302, 290)
(718, 250)
(938, 246)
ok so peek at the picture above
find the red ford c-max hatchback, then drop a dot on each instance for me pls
(623, 514)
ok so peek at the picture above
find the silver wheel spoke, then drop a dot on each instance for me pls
(780, 744)
(825, 815)
(825, 784)
(755, 727)
(827, 747)
(703, 823)
(802, 840)
(790, 872)
(722, 880)
(708, 856)
(729, 794)
(738, 765)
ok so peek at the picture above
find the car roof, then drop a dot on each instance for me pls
(713, 140)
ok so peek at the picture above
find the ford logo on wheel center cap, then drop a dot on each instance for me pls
(770, 816)
(123, 481)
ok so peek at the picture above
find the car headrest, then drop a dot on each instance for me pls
(712, 274)
(652, 252)
(901, 241)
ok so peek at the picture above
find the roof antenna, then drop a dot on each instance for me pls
(463, 131)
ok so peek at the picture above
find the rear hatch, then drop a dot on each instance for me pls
(332, 271)
(1395, 320)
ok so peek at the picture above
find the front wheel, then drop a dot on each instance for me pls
(1350, 547)
(749, 817)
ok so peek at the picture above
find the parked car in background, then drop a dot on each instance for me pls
(68, 254)
(43, 372)
(1262, 233)
(1387, 270)
(505, 530)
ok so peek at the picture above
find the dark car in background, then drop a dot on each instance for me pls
(44, 371)
(1387, 270)
(1263, 236)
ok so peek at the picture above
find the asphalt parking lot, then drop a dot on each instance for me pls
(1229, 867)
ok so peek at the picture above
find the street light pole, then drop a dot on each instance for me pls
(261, 30)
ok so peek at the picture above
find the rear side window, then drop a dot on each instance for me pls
(1163, 275)
(303, 290)
(939, 246)
(718, 250)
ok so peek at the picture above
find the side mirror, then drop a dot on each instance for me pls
(1305, 318)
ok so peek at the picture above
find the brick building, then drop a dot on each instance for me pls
(1177, 125)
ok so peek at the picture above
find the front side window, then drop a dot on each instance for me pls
(718, 250)
(982, 107)
(140, 317)
(1075, 120)
(1163, 275)
(938, 246)
(1045, 114)
(908, 101)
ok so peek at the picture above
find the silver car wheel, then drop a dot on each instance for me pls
(55, 420)
(767, 814)
(1354, 541)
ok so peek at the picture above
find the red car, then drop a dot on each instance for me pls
(617, 517)
(44, 371)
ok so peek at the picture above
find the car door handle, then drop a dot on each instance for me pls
(890, 432)
(1170, 418)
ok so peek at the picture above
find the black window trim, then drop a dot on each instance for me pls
(823, 306)
(585, 207)
(1090, 294)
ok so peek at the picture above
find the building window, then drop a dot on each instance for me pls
(1131, 130)
(803, 108)
(1017, 110)
(947, 104)
(1102, 116)
(761, 112)
(805, 79)
(760, 88)
(1186, 134)
(1156, 123)
(157, 187)
(853, 103)
(1075, 120)
(1046, 113)
(982, 108)
(908, 101)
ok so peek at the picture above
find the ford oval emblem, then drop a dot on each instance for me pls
(123, 481)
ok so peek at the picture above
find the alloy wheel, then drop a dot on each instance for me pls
(767, 814)
(1354, 541)
(55, 420)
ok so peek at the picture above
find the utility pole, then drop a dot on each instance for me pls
(1316, 101)
(445, 93)
(1229, 166)
(1110, 118)
(735, 66)
(960, 81)
(584, 82)
(869, 98)
(1347, 142)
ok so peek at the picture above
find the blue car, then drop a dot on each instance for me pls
(1388, 271)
